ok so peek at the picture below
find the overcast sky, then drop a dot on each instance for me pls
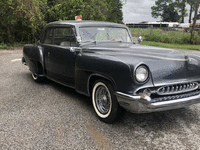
(140, 10)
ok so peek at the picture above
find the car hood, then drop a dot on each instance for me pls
(167, 66)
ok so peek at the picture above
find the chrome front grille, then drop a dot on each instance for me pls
(178, 88)
(174, 97)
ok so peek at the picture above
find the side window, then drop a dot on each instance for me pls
(64, 37)
(48, 36)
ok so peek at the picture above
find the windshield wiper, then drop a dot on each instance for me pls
(119, 41)
(88, 42)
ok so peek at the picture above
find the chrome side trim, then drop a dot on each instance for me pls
(129, 96)
(143, 98)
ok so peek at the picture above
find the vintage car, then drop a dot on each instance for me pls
(101, 60)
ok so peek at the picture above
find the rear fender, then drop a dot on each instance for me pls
(33, 56)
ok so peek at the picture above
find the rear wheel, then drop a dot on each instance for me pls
(37, 78)
(104, 101)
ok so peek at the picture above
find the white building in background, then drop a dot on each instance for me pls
(184, 25)
(197, 24)
(154, 24)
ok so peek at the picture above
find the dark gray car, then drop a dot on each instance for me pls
(100, 60)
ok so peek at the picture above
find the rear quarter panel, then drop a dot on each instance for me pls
(33, 56)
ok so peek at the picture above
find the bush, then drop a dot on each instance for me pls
(196, 39)
(3, 46)
(23, 20)
(199, 32)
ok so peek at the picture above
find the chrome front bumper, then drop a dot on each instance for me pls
(143, 104)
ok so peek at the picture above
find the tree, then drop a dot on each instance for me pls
(115, 11)
(181, 6)
(194, 22)
(167, 10)
(192, 7)
(198, 16)
(50, 5)
(66, 10)
(21, 20)
(89, 9)
(96, 10)
(7, 21)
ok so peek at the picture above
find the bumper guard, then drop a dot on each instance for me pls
(144, 104)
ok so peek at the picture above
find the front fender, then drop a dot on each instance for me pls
(117, 72)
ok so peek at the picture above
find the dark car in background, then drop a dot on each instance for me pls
(101, 60)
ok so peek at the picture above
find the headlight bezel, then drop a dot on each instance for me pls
(146, 76)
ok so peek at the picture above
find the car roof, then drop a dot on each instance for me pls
(85, 23)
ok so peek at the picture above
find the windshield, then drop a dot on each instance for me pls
(98, 34)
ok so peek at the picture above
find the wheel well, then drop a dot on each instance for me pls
(93, 79)
(39, 67)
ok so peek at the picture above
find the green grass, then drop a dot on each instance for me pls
(136, 32)
(3, 46)
(10, 46)
(164, 36)
(176, 46)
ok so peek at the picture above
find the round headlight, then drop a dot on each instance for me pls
(141, 74)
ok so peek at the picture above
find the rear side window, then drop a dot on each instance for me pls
(64, 36)
(48, 36)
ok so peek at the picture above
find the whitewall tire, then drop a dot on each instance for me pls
(104, 101)
(37, 78)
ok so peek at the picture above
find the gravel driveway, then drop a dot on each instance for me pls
(51, 116)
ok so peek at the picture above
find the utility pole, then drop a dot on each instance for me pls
(194, 22)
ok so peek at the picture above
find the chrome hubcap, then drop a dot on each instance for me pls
(35, 76)
(102, 100)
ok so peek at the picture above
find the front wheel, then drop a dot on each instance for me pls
(104, 101)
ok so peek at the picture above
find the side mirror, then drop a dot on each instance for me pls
(75, 49)
(78, 38)
(140, 39)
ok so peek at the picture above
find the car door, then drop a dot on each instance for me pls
(60, 60)
(47, 44)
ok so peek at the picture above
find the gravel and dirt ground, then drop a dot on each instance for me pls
(51, 116)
